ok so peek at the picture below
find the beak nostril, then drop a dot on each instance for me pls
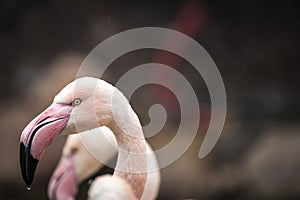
(43, 120)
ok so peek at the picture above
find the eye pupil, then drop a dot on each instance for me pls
(76, 102)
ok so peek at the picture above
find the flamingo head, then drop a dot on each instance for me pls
(63, 183)
(72, 111)
(75, 165)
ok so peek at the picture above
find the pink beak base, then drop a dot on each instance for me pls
(63, 183)
(38, 135)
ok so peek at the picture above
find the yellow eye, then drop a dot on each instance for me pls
(76, 102)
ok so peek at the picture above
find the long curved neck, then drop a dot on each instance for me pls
(132, 159)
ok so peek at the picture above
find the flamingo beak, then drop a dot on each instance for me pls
(63, 183)
(39, 134)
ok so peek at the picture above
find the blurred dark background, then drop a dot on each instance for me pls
(255, 44)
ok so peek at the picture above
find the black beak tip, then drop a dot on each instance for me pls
(28, 165)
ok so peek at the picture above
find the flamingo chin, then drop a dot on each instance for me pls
(38, 135)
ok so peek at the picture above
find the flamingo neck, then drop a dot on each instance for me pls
(132, 159)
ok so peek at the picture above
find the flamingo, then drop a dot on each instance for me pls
(77, 164)
(85, 104)
(102, 187)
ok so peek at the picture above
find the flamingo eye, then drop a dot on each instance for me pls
(76, 102)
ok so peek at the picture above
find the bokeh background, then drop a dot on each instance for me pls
(255, 44)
